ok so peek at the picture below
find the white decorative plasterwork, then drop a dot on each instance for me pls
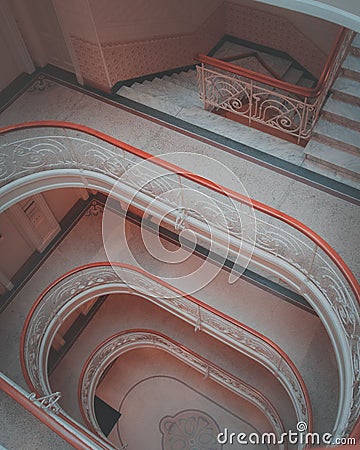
(279, 109)
(48, 401)
(113, 348)
(279, 248)
(87, 283)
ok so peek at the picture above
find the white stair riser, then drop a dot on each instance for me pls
(351, 74)
(336, 143)
(347, 97)
(354, 175)
(337, 118)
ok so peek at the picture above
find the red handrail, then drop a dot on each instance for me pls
(261, 207)
(262, 78)
(162, 335)
(70, 436)
(177, 291)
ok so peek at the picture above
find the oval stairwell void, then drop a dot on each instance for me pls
(284, 246)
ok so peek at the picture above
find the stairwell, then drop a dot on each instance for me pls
(335, 142)
(333, 150)
(172, 93)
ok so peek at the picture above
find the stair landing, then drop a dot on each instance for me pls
(175, 97)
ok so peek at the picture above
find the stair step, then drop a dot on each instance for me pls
(185, 80)
(347, 90)
(356, 41)
(279, 65)
(334, 158)
(292, 75)
(174, 91)
(330, 172)
(351, 67)
(157, 102)
(163, 87)
(342, 113)
(355, 46)
(161, 94)
(230, 48)
(338, 136)
(305, 82)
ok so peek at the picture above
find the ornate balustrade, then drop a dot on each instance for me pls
(259, 99)
(115, 346)
(86, 283)
(67, 428)
(282, 246)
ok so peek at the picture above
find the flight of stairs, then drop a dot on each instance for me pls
(336, 137)
(285, 68)
(174, 93)
(169, 94)
(334, 149)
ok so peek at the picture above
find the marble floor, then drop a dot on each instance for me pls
(13, 418)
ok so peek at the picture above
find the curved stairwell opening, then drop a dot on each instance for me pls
(308, 281)
(271, 341)
(143, 367)
(120, 312)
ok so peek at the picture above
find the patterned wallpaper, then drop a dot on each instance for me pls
(270, 29)
(131, 59)
(90, 62)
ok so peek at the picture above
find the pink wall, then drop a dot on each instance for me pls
(135, 58)
(59, 201)
(41, 31)
(112, 41)
(10, 69)
(267, 25)
(139, 20)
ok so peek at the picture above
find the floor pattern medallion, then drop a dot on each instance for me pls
(189, 430)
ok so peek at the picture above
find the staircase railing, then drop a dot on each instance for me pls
(267, 103)
(67, 428)
(283, 244)
(117, 345)
(85, 283)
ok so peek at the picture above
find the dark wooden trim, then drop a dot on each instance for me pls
(218, 46)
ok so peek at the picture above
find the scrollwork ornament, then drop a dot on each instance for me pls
(123, 342)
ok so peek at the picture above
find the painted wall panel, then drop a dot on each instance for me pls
(9, 67)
